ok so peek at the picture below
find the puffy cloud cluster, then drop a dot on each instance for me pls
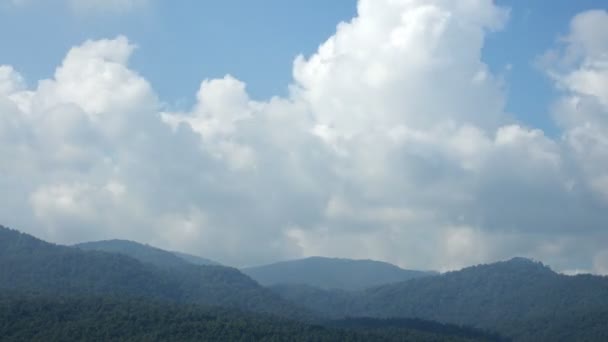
(393, 144)
(580, 70)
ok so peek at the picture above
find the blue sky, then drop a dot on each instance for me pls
(182, 42)
(394, 141)
(533, 28)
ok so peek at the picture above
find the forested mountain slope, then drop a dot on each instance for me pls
(518, 298)
(30, 264)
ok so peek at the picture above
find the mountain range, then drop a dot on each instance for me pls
(30, 264)
(314, 298)
(519, 298)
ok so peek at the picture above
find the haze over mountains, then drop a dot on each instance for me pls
(145, 253)
(519, 298)
(325, 273)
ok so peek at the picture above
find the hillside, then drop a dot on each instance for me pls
(519, 298)
(145, 253)
(30, 264)
(332, 273)
(509, 291)
(141, 252)
(334, 303)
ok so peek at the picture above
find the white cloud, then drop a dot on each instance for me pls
(582, 67)
(393, 57)
(393, 144)
(580, 70)
(10, 80)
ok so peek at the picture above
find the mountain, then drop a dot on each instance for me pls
(519, 298)
(146, 253)
(54, 292)
(150, 291)
(197, 260)
(39, 318)
(509, 291)
(332, 273)
(31, 265)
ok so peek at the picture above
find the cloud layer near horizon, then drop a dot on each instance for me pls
(393, 144)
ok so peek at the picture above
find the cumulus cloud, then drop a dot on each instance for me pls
(392, 144)
(10, 80)
(579, 68)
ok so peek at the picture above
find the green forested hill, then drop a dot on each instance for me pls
(29, 264)
(518, 298)
(489, 295)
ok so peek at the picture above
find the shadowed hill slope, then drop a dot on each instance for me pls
(30, 264)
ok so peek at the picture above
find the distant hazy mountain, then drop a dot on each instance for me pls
(32, 265)
(141, 252)
(145, 253)
(519, 298)
(332, 273)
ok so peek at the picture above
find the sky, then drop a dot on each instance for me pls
(433, 134)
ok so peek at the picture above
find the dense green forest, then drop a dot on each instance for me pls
(332, 273)
(35, 318)
(518, 298)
